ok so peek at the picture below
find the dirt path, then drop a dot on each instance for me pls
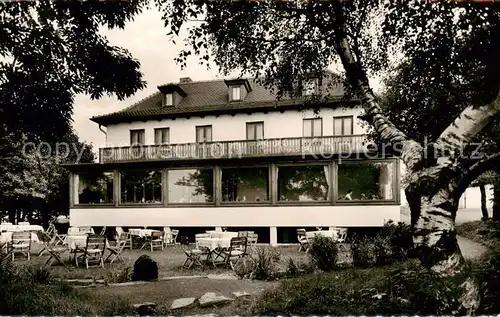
(470, 249)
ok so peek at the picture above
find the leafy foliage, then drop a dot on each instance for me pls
(261, 264)
(324, 253)
(50, 52)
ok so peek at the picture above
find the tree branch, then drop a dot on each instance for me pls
(476, 169)
(469, 123)
(412, 153)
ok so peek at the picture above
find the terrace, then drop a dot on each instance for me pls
(301, 146)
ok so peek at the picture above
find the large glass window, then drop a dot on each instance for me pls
(366, 181)
(249, 184)
(94, 188)
(140, 186)
(303, 183)
(191, 186)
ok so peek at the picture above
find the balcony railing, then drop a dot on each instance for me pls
(327, 145)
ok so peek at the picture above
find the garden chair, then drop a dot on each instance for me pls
(116, 249)
(171, 237)
(155, 240)
(252, 239)
(21, 243)
(341, 237)
(238, 249)
(193, 256)
(303, 240)
(55, 251)
(93, 254)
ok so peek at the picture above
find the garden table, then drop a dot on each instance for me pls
(325, 233)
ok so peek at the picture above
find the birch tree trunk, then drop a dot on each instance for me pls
(433, 190)
(484, 209)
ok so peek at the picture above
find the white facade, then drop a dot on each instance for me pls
(232, 128)
(287, 124)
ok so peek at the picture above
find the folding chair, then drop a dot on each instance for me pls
(94, 251)
(50, 246)
(21, 243)
(341, 237)
(116, 250)
(237, 249)
(303, 240)
(171, 237)
(119, 232)
(193, 256)
(155, 240)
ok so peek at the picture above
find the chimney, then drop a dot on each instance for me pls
(185, 80)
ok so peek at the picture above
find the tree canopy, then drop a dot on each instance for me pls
(51, 51)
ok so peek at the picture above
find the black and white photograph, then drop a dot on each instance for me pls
(249, 157)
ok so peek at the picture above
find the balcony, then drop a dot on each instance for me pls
(326, 146)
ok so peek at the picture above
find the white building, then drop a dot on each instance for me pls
(226, 153)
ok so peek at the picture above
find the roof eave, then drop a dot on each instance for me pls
(105, 120)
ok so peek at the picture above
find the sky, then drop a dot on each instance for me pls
(146, 40)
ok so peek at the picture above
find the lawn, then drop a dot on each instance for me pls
(169, 264)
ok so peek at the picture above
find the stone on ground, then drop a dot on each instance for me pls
(146, 309)
(240, 294)
(145, 269)
(182, 302)
(210, 298)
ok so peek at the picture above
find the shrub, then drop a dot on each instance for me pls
(296, 267)
(403, 288)
(324, 253)
(362, 251)
(394, 242)
(400, 238)
(261, 264)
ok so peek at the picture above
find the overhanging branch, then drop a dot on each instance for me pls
(475, 170)
(412, 153)
(469, 123)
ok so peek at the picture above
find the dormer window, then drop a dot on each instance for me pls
(236, 93)
(309, 87)
(169, 99)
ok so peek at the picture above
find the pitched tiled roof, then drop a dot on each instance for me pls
(205, 98)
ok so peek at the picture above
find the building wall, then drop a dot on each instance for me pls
(229, 128)
(269, 216)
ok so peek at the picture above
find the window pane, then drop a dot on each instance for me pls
(259, 131)
(169, 100)
(190, 186)
(250, 131)
(307, 127)
(347, 126)
(158, 136)
(208, 134)
(303, 183)
(317, 127)
(199, 134)
(366, 181)
(337, 126)
(245, 184)
(140, 186)
(166, 136)
(236, 93)
(95, 188)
